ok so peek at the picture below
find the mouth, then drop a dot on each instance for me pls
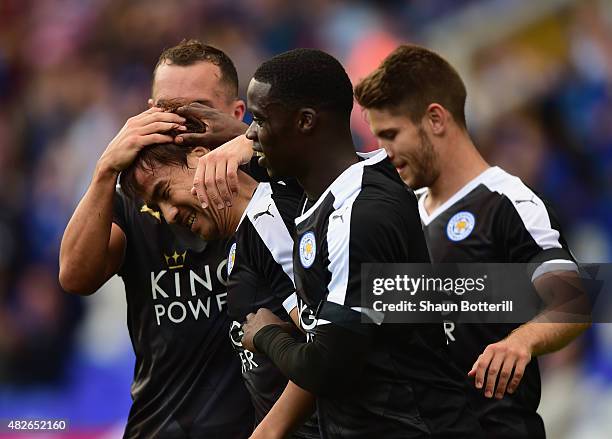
(190, 221)
(399, 166)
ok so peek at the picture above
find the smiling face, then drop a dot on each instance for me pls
(272, 131)
(408, 145)
(168, 188)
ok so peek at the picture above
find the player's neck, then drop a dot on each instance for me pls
(326, 166)
(462, 164)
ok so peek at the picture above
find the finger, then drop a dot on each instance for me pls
(249, 316)
(162, 116)
(152, 139)
(517, 376)
(493, 371)
(224, 191)
(148, 111)
(160, 127)
(211, 187)
(481, 366)
(198, 139)
(231, 173)
(197, 109)
(504, 376)
(198, 182)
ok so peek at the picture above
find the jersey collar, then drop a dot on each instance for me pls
(344, 185)
(426, 219)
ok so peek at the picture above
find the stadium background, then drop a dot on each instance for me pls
(539, 77)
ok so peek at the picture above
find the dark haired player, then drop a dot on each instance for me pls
(259, 264)
(472, 212)
(187, 380)
(370, 380)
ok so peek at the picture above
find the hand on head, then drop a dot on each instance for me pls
(220, 127)
(216, 177)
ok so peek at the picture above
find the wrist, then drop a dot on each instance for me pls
(105, 172)
(264, 336)
(522, 336)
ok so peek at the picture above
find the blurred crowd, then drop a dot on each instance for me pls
(72, 72)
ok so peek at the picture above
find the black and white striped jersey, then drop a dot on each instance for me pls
(260, 275)
(495, 218)
(407, 387)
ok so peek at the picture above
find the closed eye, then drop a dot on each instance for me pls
(387, 134)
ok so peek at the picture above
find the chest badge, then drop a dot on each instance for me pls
(308, 249)
(460, 226)
(231, 258)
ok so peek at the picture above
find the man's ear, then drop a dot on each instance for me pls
(239, 109)
(438, 118)
(199, 151)
(307, 119)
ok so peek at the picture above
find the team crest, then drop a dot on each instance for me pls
(308, 249)
(231, 258)
(460, 226)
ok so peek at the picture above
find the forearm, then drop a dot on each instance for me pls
(290, 411)
(544, 338)
(327, 365)
(85, 244)
(565, 299)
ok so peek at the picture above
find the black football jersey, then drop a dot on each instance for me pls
(260, 275)
(187, 381)
(408, 387)
(495, 218)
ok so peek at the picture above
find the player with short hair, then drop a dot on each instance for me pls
(187, 380)
(471, 212)
(371, 380)
(260, 228)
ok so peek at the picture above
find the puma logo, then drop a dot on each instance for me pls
(526, 201)
(340, 215)
(265, 212)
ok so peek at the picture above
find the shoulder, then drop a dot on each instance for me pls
(518, 200)
(268, 219)
(522, 215)
(509, 186)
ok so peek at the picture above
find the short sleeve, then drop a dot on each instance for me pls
(119, 211)
(529, 232)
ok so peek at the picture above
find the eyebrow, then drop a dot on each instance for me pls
(385, 131)
(158, 189)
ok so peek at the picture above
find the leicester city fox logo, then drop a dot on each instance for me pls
(231, 258)
(460, 226)
(308, 249)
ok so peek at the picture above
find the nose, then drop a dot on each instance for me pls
(387, 148)
(251, 133)
(169, 212)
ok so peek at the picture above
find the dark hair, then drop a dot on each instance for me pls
(149, 159)
(410, 79)
(162, 154)
(189, 52)
(308, 77)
